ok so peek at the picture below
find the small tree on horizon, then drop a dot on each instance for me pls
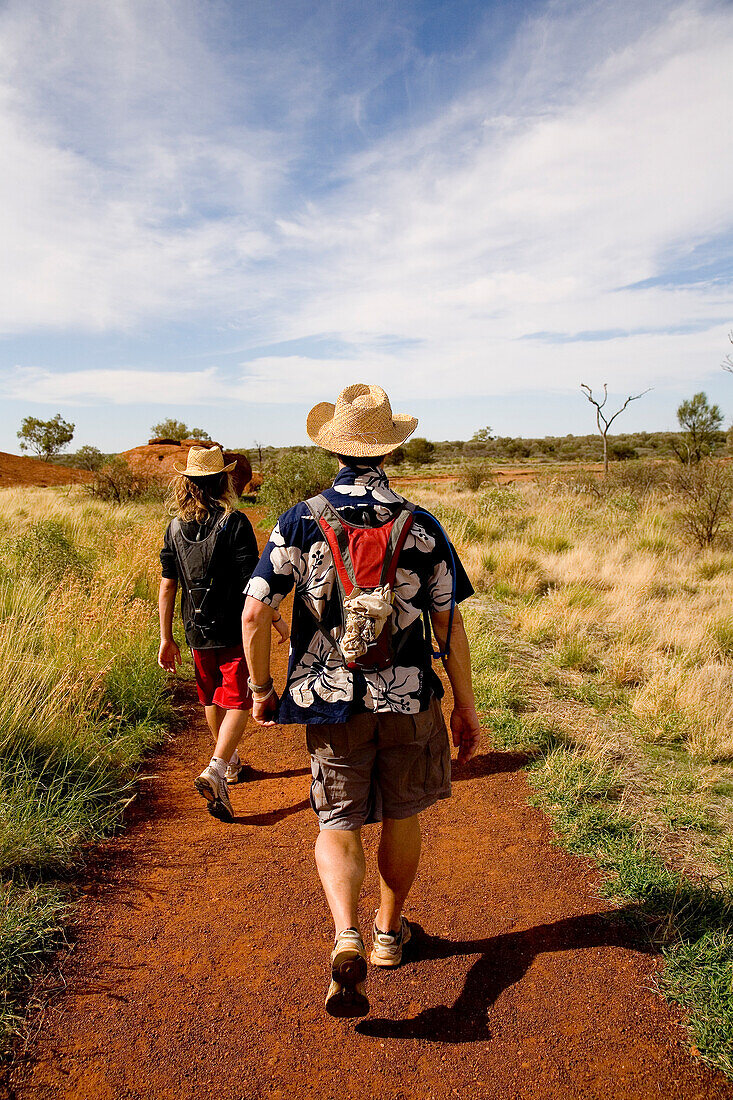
(699, 421)
(604, 422)
(170, 428)
(45, 438)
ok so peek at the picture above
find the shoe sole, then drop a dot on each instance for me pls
(344, 1000)
(216, 807)
(390, 962)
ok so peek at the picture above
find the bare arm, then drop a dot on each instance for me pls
(464, 721)
(256, 625)
(169, 655)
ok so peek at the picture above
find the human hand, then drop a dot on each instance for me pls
(263, 709)
(466, 731)
(282, 628)
(169, 655)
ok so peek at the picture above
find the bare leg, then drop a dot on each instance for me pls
(214, 715)
(233, 725)
(341, 866)
(398, 859)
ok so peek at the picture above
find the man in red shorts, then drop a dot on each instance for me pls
(211, 550)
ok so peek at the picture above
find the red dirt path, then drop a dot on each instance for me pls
(200, 962)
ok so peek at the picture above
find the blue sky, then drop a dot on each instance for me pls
(227, 211)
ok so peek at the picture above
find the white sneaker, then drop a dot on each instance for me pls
(213, 788)
(387, 946)
(238, 773)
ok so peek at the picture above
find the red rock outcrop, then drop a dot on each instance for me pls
(158, 460)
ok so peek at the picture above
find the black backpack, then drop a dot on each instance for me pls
(206, 601)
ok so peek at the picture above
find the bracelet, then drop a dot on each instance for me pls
(259, 688)
(263, 698)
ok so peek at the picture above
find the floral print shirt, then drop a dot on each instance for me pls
(320, 688)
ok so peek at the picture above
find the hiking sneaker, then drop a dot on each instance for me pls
(214, 789)
(239, 773)
(346, 997)
(387, 946)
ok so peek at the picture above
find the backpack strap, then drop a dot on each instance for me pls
(330, 523)
(192, 585)
(397, 537)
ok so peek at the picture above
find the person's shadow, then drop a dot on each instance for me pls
(504, 959)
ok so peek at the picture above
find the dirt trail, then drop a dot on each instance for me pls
(200, 962)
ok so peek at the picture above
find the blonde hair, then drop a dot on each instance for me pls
(194, 498)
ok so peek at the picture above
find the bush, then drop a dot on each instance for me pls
(45, 552)
(117, 482)
(706, 492)
(295, 477)
(420, 451)
(500, 502)
(473, 475)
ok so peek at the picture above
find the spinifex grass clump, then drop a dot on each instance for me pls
(82, 698)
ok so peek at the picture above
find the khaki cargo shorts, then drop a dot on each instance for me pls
(378, 765)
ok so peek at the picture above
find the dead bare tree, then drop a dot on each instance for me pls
(603, 422)
(727, 363)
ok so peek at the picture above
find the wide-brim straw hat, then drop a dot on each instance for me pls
(204, 462)
(361, 424)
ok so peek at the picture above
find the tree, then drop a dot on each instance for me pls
(483, 435)
(258, 448)
(604, 422)
(699, 421)
(176, 429)
(89, 458)
(45, 437)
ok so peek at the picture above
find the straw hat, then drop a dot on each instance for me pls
(361, 424)
(204, 461)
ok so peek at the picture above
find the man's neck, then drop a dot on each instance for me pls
(360, 462)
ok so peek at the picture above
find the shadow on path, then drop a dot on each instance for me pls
(504, 960)
(272, 816)
(489, 763)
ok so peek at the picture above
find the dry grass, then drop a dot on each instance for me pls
(82, 697)
(609, 586)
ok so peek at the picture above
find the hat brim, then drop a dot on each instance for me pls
(204, 473)
(319, 427)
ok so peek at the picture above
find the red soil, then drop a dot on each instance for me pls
(200, 961)
(19, 470)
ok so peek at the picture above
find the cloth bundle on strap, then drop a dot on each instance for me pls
(365, 614)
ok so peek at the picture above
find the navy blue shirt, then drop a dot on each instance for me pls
(320, 688)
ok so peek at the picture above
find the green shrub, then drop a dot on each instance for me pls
(295, 477)
(472, 475)
(420, 451)
(705, 491)
(46, 552)
(500, 502)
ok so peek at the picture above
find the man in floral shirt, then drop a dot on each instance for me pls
(378, 741)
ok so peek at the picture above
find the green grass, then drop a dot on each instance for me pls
(689, 921)
(83, 701)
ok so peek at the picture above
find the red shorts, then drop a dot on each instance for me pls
(221, 677)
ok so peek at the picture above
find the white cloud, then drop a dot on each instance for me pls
(596, 150)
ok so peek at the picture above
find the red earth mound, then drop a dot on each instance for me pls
(158, 460)
(19, 470)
